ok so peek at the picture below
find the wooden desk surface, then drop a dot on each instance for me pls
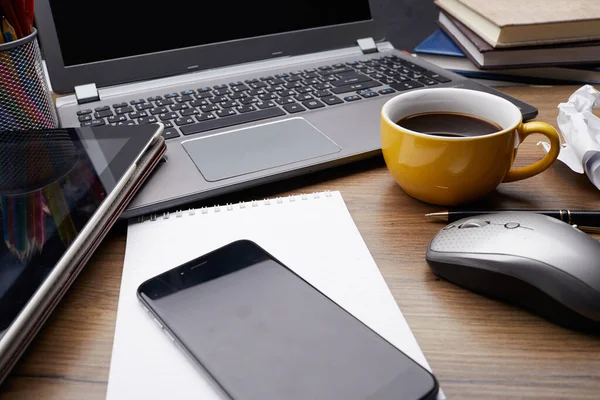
(478, 348)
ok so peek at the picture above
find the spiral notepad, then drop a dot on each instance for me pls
(313, 234)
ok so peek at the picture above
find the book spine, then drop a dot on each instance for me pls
(229, 207)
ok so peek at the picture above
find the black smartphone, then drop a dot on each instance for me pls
(262, 332)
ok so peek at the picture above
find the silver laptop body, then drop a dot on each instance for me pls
(253, 145)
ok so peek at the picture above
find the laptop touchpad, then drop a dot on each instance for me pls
(257, 148)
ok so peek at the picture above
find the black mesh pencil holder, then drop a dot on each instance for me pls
(25, 100)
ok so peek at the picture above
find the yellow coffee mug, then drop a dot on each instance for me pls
(455, 170)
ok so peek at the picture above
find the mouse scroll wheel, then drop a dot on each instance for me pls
(473, 223)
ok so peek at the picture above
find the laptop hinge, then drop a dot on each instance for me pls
(86, 93)
(367, 45)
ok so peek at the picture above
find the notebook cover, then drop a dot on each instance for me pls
(314, 235)
(483, 47)
(530, 12)
(440, 44)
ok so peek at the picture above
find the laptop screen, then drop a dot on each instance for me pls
(115, 29)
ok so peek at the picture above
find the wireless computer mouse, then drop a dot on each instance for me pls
(537, 262)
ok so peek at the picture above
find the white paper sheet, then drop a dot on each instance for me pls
(581, 131)
(314, 235)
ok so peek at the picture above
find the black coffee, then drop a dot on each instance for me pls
(449, 124)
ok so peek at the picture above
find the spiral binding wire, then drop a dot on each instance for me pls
(231, 207)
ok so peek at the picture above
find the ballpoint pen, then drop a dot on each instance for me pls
(583, 219)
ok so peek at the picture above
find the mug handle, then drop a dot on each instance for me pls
(524, 130)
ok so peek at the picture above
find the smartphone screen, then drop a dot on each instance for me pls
(264, 333)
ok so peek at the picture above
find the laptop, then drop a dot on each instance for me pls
(248, 92)
(60, 192)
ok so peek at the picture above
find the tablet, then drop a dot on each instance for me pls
(60, 192)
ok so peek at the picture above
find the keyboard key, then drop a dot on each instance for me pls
(84, 112)
(226, 113)
(184, 121)
(170, 134)
(311, 82)
(204, 95)
(311, 75)
(145, 106)
(231, 121)
(209, 108)
(253, 80)
(310, 70)
(187, 92)
(184, 99)
(304, 89)
(204, 89)
(103, 113)
(123, 110)
(103, 108)
(296, 73)
(322, 86)
(154, 98)
(245, 109)
(427, 81)
(237, 83)
(437, 77)
(338, 70)
(352, 63)
(284, 75)
(222, 86)
(321, 93)
(387, 91)
(354, 97)
(167, 116)
(127, 123)
(256, 92)
(377, 76)
(355, 87)
(178, 107)
(369, 94)
(199, 103)
(191, 111)
(332, 100)
(147, 120)
(218, 99)
(330, 78)
(159, 110)
(228, 104)
(266, 78)
(294, 108)
(116, 118)
(267, 96)
(266, 104)
(170, 95)
(293, 78)
(338, 65)
(83, 118)
(221, 92)
(286, 93)
(387, 81)
(285, 100)
(117, 105)
(258, 85)
(249, 100)
(97, 122)
(138, 114)
(303, 97)
(205, 117)
(235, 96)
(274, 82)
(167, 124)
(273, 89)
(406, 85)
(325, 68)
(239, 89)
(312, 104)
(138, 101)
(164, 102)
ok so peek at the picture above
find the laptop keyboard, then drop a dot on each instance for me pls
(203, 109)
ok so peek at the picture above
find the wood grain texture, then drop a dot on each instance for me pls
(477, 347)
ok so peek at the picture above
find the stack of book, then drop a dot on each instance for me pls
(532, 41)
